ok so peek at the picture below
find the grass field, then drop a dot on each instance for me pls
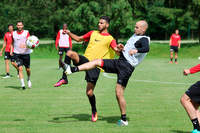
(152, 97)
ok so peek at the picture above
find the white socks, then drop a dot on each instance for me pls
(22, 82)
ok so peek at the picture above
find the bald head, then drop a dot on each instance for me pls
(141, 27)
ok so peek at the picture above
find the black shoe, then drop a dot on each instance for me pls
(24, 88)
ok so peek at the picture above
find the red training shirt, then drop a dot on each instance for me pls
(8, 39)
(174, 39)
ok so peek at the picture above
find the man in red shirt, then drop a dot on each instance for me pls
(191, 100)
(63, 44)
(7, 44)
(175, 44)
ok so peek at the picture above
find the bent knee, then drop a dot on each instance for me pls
(184, 98)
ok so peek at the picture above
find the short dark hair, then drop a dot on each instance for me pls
(105, 18)
(10, 25)
(20, 21)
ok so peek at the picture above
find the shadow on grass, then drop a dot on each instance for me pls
(179, 131)
(19, 120)
(83, 117)
(13, 87)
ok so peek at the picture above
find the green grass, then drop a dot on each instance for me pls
(152, 98)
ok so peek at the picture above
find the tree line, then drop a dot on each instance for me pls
(45, 17)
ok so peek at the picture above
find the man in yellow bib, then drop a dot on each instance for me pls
(101, 46)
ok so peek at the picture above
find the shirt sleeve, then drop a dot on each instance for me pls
(86, 37)
(144, 45)
(195, 69)
(28, 34)
(70, 42)
(113, 44)
(57, 39)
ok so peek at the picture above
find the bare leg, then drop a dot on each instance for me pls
(90, 65)
(73, 55)
(176, 56)
(189, 107)
(60, 61)
(171, 57)
(15, 65)
(28, 71)
(120, 98)
(7, 65)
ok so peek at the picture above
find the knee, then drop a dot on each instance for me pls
(97, 62)
(183, 99)
(89, 93)
(70, 53)
(20, 68)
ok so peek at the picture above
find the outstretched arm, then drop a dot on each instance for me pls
(192, 70)
(4, 45)
(75, 37)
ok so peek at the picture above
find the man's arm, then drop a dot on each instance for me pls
(192, 70)
(75, 37)
(57, 40)
(116, 47)
(4, 45)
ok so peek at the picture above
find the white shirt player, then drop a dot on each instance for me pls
(63, 40)
(19, 42)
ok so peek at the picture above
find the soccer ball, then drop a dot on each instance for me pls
(32, 42)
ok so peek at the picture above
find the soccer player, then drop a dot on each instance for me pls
(7, 45)
(132, 54)
(175, 44)
(63, 44)
(101, 45)
(191, 100)
(21, 53)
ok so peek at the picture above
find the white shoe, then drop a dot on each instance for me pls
(67, 69)
(29, 84)
(122, 123)
(5, 77)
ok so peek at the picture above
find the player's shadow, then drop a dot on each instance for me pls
(83, 117)
(13, 87)
(70, 118)
(179, 131)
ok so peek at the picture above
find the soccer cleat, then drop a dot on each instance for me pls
(176, 62)
(170, 62)
(122, 123)
(23, 88)
(94, 117)
(195, 131)
(29, 84)
(5, 77)
(60, 82)
(67, 69)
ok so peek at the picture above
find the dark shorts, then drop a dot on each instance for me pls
(194, 92)
(121, 67)
(62, 50)
(7, 56)
(174, 49)
(91, 75)
(22, 59)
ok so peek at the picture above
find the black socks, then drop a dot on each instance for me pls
(92, 100)
(123, 117)
(195, 123)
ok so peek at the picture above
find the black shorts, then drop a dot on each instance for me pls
(62, 50)
(194, 92)
(121, 67)
(174, 49)
(91, 75)
(7, 56)
(22, 59)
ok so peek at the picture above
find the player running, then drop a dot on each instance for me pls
(22, 53)
(7, 45)
(191, 100)
(63, 44)
(175, 44)
(133, 53)
(101, 45)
